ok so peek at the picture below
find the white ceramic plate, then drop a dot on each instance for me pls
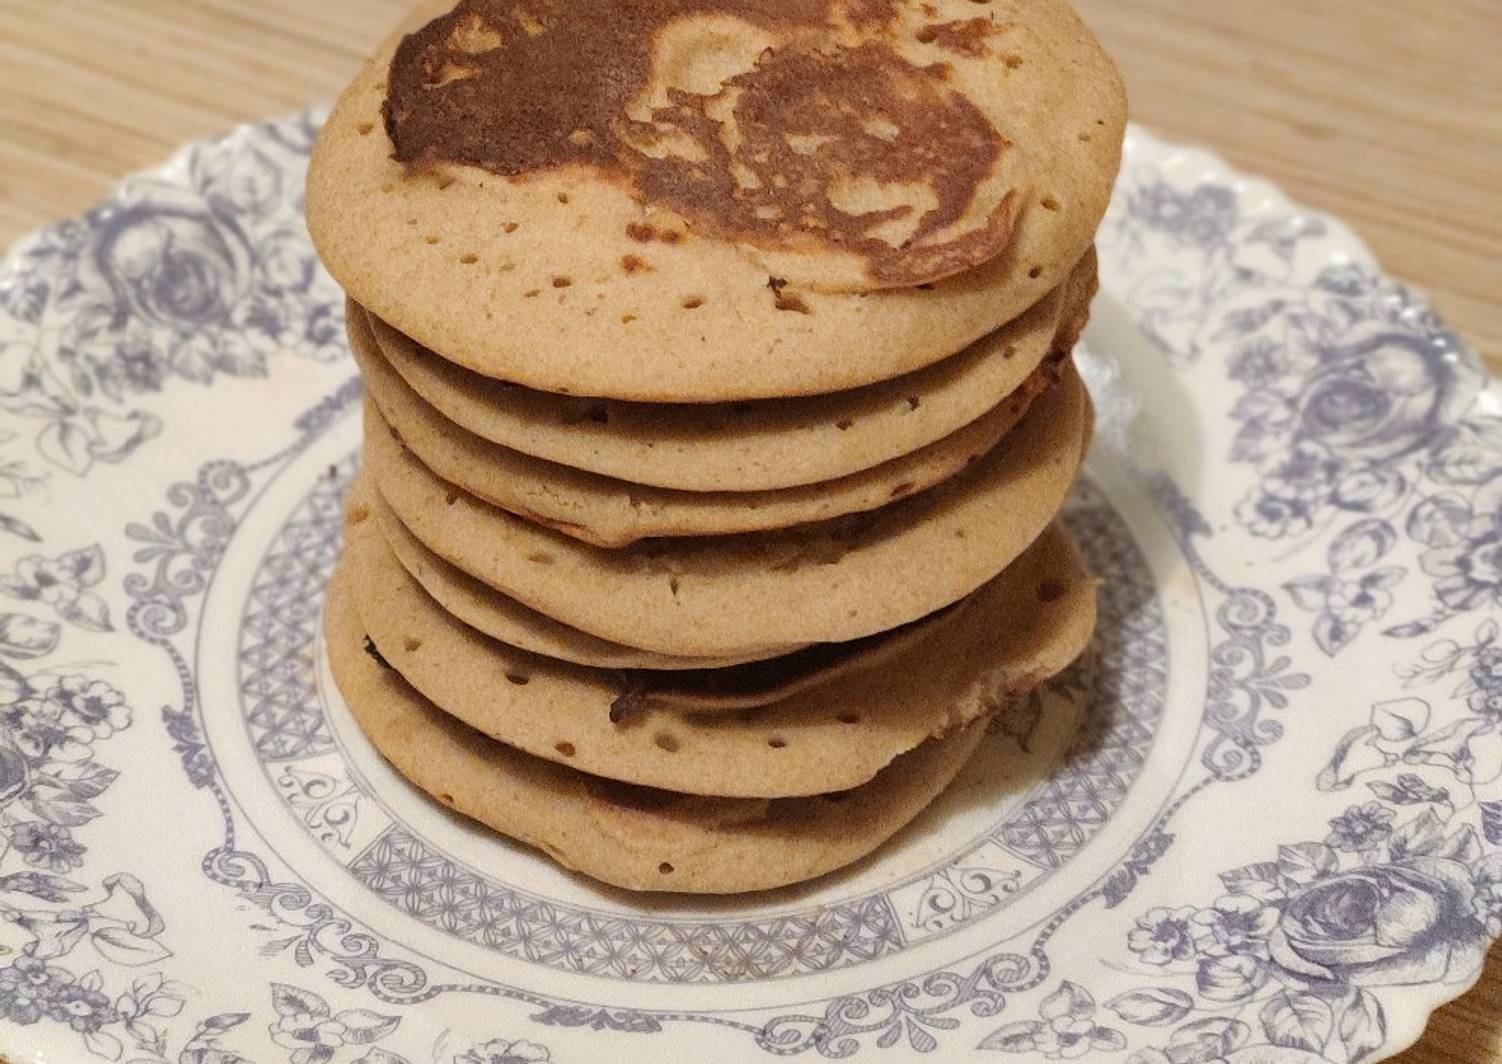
(1263, 826)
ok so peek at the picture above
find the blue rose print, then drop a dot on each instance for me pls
(173, 281)
(181, 268)
(1402, 891)
(1388, 924)
(1355, 402)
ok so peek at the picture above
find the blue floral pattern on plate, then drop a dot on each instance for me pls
(1260, 824)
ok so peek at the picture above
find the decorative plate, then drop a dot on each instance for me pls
(1260, 824)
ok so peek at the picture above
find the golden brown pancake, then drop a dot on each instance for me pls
(735, 200)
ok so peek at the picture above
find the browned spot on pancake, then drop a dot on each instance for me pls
(963, 36)
(871, 12)
(645, 234)
(634, 264)
(828, 139)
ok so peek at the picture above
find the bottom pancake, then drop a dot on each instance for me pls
(631, 837)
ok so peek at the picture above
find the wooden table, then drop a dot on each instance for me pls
(1386, 112)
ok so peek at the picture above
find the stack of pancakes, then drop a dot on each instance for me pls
(719, 409)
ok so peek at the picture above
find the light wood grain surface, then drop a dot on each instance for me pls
(1386, 112)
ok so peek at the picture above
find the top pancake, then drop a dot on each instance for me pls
(701, 200)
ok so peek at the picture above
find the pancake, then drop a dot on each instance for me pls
(952, 167)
